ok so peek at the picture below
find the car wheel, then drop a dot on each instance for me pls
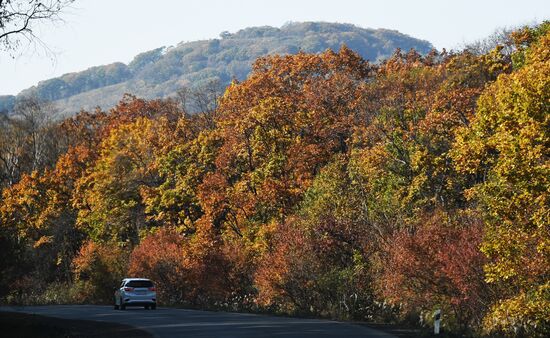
(153, 306)
(146, 307)
(122, 305)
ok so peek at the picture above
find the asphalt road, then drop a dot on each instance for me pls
(165, 322)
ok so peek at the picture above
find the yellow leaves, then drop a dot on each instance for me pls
(507, 145)
(24, 203)
(279, 127)
(495, 61)
(527, 314)
(44, 240)
(511, 119)
(111, 189)
(99, 267)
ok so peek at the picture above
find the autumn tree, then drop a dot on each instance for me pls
(36, 208)
(506, 148)
(439, 266)
(181, 169)
(36, 212)
(278, 128)
(415, 105)
(110, 207)
(98, 269)
(319, 262)
(15, 263)
(402, 164)
(160, 257)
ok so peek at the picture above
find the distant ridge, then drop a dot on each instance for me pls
(161, 72)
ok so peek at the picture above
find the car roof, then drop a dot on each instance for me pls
(127, 279)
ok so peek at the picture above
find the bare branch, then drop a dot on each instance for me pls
(19, 17)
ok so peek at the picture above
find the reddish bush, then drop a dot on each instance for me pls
(315, 270)
(210, 272)
(438, 265)
(160, 257)
(287, 274)
(199, 271)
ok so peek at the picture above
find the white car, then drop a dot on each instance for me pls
(136, 292)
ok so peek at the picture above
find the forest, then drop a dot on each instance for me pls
(321, 185)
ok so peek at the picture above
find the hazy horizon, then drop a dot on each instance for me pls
(101, 32)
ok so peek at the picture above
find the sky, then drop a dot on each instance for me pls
(96, 32)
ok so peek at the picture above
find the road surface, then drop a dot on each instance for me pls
(165, 322)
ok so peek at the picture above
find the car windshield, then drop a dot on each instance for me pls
(140, 284)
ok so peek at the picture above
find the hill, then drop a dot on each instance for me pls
(161, 72)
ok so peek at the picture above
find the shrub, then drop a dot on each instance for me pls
(159, 257)
(314, 273)
(438, 265)
(527, 314)
(98, 270)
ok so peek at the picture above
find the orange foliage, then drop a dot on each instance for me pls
(279, 127)
(160, 257)
(98, 269)
(438, 264)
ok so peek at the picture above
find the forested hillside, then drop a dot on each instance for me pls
(321, 185)
(161, 72)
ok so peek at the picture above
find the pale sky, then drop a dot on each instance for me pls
(97, 32)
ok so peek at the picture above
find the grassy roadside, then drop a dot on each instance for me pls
(24, 325)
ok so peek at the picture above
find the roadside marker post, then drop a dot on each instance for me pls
(437, 321)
